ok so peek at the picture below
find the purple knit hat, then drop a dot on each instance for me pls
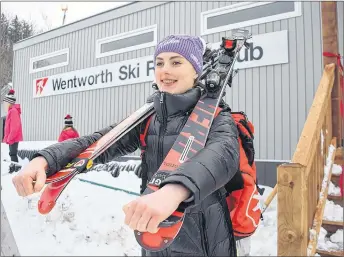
(190, 47)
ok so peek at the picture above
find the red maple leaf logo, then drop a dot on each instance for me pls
(40, 84)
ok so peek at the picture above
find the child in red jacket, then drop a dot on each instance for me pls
(13, 132)
(68, 131)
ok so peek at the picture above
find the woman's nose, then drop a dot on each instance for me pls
(165, 68)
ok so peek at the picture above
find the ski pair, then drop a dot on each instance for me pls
(84, 161)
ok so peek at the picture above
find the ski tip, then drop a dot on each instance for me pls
(44, 207)
(160, 240)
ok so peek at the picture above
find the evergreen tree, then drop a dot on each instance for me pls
(12, 30)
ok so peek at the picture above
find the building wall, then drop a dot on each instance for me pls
(276, 97)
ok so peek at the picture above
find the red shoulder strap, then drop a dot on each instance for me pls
(144, 134)
(218, 110)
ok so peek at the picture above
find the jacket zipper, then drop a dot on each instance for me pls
(162, 128)
(204, 237)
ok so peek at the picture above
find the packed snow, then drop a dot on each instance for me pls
(336, 169)
(338, 237)
(333, 190)
(88, 219)
(330, 243)
(333, 212)
(327, 169)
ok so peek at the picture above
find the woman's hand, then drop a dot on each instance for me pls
(34, 171)
(146, 212)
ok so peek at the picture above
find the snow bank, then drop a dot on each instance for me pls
(333, 212)
(334, 243)
(333, 190)
(336, 169)
(88, 220)
(338, 238)
(264, 240)
(327, 168)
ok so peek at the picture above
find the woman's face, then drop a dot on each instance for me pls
(173, 73)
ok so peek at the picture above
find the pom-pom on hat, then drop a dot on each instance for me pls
(10, 97)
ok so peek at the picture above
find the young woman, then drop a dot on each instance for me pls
(13, 132)
(198, 183)
(68, 131)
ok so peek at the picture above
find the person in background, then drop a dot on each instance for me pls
(13, 132)
(68, 131)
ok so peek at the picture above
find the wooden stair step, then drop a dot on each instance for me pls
(335, 179)
(339, 160)
(332, 253)
(339, 157)
(339, 153)
(334, 223)
(335, 197)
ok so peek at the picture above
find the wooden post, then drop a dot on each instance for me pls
(330, 44)
(292, 210)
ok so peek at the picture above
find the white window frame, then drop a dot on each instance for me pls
(49, 55)
(124, 35)
(242, 6)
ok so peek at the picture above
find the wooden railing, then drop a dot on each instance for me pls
(299, 183)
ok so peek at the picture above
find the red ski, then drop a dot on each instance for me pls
(192, 139)
(58, 182)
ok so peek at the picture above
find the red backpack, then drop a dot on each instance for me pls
(243, 204)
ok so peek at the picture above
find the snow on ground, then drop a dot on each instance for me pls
(334, 243)
(333, 190)
(338, 238)
(333, 212)
(264, 240)
(336, 169)
(88, 219)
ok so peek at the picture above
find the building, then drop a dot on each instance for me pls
(99, 69)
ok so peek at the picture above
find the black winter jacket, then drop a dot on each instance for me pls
(207, 229)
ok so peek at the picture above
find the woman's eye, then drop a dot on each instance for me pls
(159, 64)
(176, 63)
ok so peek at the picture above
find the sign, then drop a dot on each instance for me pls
(110, 75)
(265, 49)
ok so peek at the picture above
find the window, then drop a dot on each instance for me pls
(49, 61)
(128, 41)
(247, 14)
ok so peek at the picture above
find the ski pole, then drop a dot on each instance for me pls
(269, 199)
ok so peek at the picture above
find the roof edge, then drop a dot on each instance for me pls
(95, 19)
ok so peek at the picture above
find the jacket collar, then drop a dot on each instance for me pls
(167, 105)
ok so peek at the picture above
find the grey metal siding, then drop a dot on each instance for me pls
(276, 98)
(285, 91)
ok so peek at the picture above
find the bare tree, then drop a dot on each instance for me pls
(12, 30)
